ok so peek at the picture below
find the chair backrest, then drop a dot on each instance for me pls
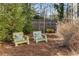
(37, 35)
(18, 36)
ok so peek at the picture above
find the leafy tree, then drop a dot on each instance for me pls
(60, 9)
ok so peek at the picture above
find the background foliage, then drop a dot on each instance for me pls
(60, 9)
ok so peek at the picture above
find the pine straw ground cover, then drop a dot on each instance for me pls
(41, 49)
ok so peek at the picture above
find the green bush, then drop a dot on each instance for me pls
(14, 18)
(28, 27)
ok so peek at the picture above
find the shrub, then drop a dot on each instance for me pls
(27, 27)
(68, 30)
(12, 18)
(74, 42)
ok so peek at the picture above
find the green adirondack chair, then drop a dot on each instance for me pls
(38, 36)
(19, 38)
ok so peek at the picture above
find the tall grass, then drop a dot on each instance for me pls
(69, 30)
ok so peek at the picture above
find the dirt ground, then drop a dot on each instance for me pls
(41, 49)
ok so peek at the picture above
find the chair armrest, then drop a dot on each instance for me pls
(26, 37)
(44, 35)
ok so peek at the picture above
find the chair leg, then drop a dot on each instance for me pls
(36, 41)
(27, 38)
(16, 44)
(28, 42)
(46, 40)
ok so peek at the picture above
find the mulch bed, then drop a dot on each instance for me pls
(41, 49)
